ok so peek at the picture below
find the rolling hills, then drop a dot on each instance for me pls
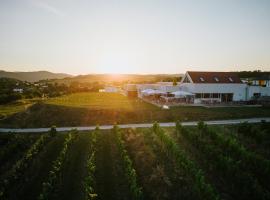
(33, 76)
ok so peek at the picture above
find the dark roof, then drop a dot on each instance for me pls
(214, 77)
(263, 77)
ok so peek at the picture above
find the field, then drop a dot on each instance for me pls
(202, 162)
(100, 101)
(84, 109)
(12, 108)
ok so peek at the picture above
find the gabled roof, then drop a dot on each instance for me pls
(214, 77)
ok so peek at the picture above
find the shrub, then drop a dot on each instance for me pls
(53, 131)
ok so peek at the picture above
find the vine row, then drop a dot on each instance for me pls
(18, 168)
(220, 157)
(130, 172)
(47, 186)
(204, 190)
(89, 180)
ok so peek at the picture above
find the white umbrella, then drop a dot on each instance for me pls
(182, 94)
(152, 92)
(148, 92)
(160, 92)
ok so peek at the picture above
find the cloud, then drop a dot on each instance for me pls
(47, 7)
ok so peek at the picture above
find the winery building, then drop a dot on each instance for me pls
(218, 87)
(199, 87)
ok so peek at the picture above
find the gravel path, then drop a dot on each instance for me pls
(143, 125)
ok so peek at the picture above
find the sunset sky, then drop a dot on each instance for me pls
(139, 36)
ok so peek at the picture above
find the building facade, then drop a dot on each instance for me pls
(214, 87)
(208, 87)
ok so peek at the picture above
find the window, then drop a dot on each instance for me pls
(186, 80)
(216, 79)
(215, 95)
(256, 95)
(198, 95)
(201, 79)
(206, 95)
(230, 79)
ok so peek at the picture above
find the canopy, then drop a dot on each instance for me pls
(182, 94)
(152, 92)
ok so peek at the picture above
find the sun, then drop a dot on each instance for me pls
(116, 63)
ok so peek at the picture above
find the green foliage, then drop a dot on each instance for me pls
(229, 157)
(244, 128)
(89, 180)
(97, 128)
(130, 172)
(179, 127)
(7, 98)
(204, 190)
(156, 127)
(236, 169)
(47, 186)
(53, 131)
(174, 82)
(202, 126)
(18, 168)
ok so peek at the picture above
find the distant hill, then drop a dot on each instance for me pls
(33, 76)
(128, 78)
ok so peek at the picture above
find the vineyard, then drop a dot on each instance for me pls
(198, 162)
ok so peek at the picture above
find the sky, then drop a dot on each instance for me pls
(138, 36)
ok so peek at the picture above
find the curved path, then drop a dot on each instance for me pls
(143, 125)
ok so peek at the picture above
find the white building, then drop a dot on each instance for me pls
(19, 90)
(203, 88)
(109, 89)
(257, 91)
(211, 87)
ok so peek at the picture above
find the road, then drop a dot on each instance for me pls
(143, 125)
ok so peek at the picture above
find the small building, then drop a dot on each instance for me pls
(109, 89)
(19, 90)
(131, 90)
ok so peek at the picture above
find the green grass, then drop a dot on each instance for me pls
(101, 101)
(84, 109)
(11, 108)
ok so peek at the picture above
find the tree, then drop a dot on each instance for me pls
(53, 131)
(178, 126)
(201, 125)
(156, 127)
(174, 82)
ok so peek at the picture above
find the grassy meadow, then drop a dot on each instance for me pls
(100, 101)
(199, 162)
(12, 108)
(83, 109)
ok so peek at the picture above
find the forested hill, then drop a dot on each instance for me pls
(33, 76)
